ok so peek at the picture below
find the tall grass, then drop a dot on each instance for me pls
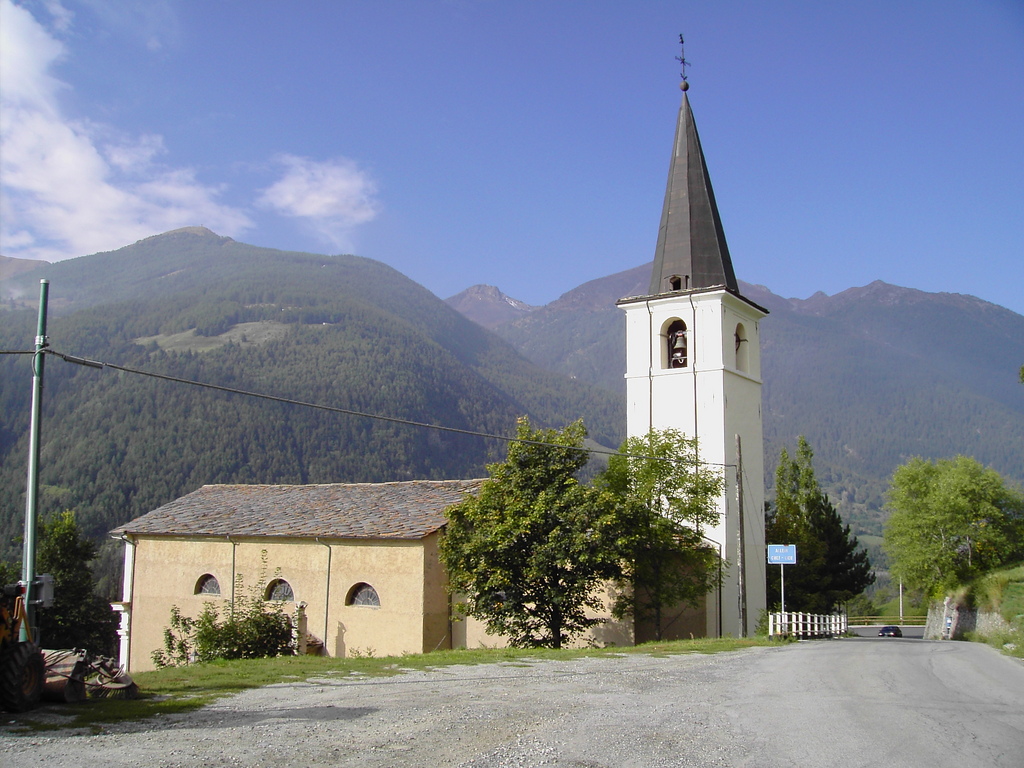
(1000, 592)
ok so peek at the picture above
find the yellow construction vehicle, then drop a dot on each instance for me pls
(22, 671)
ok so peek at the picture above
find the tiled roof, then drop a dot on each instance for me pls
(691, 241)
(409, 510)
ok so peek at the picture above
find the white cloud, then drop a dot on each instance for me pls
(331, 196)
(67, 187)
(134, 155)
(62, 17)
(27, 51)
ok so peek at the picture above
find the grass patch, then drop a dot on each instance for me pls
(1000, 592)
(175, 690)
(891, 609)
(1013, 601)
(243, 334)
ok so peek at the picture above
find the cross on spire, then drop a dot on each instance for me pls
(683, 64)
(691, 253)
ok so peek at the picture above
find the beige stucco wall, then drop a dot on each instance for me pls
(413, 617)
(472, 633)
(680, 622)
(413, 612)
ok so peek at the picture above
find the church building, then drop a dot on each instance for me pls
(693, 363)
(360, 561)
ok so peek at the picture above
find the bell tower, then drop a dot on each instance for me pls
(693, 363)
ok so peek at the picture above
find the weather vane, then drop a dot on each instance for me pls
(683, 64)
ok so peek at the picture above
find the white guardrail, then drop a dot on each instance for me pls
(807, 624)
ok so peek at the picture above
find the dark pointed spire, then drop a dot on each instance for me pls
(691, 252)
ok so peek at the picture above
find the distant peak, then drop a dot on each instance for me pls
(197, 231)
(489, 293)
(487, 305)
(482, 290)
(193, 231)
(11, 266)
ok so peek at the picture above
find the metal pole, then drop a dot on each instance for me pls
(28, 560)
(719, 589)
(741, 543)
(782, 589)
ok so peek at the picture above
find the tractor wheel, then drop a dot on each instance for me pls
(22, 674)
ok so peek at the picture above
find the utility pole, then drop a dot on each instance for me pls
(28, 563)
(741, 542)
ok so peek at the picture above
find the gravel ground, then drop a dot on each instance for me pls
(627, 710)
(623, 711)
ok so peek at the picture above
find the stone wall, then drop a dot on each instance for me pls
(949, 621)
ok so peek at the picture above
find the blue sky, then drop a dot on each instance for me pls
(525, 144)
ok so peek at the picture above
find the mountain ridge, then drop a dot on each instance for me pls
(871, 375)
(594, 292)
(357, 336)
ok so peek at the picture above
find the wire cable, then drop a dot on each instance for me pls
(348, 412)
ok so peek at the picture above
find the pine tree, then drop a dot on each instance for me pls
(831, 567)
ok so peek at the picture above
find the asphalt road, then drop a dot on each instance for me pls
(885, 701)
(852, 702)
(912, 633)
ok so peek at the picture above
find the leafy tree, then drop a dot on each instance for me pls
(529, 552)
(862, 605)
(78, 618)
(664, 498)
(951, 520)
(9, 573)
(831, 567)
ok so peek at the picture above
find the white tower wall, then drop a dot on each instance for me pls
(715, 397)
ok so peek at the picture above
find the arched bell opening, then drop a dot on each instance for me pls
(742, 348)
(676, 349)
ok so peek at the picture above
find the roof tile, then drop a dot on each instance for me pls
(404, 510)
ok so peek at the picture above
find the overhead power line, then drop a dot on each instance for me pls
(68, 358)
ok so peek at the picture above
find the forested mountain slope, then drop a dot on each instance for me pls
(871, 376)
(343, 331)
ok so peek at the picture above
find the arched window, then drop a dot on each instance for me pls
(208, 585)
(363, 594)
(677, 352)
(742, 347)
(279, 589)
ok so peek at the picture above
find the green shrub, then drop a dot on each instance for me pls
(255, 629)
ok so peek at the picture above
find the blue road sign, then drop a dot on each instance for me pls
(782, 554)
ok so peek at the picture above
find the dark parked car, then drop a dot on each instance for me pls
(890, 632)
